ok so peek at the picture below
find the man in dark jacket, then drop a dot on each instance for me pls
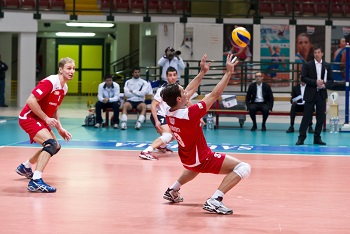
(317, 75)
(3, 69)
(259, 98)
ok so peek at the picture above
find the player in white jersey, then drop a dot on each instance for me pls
(159, 109)
(194, 153)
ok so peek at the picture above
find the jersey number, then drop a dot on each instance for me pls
(179, 140)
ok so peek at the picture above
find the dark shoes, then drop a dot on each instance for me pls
(319, 142)
(263, 128)
(310, 130)
(300, 142)
(253, 128)
(290, 129)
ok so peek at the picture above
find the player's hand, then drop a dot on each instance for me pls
(64, 134)
(52, 122)
(204, 66)
(230, 67)
(157, 125)
(202, 122)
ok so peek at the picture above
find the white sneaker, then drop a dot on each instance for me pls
(123, 126)
(147, 156)
(216, 205)
(98, 125)
(116, 125)
(173, 195)
(138, 125)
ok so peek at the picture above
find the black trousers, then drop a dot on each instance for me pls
(293, 110)
(307, 118)
(100, 106)
(259, 106)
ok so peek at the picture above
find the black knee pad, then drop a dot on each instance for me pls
(58, 149)
(50, 146)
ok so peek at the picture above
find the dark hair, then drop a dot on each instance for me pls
(171, 69)
(169, 48)
(317, 47)
(108, 76)
(135, 68)
(170, 94)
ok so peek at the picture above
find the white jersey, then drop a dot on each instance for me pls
(162, 108)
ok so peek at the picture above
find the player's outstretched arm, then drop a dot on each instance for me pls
(193, 85)
(220, 87)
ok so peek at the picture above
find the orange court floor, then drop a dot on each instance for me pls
(103, 186)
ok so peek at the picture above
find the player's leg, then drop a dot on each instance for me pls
(141, 109)
(50, 147)
(172, 194)
(235, 171)
(252, 114)
(160, 142)
(126, 107)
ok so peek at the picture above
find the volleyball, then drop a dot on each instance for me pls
(240, 37)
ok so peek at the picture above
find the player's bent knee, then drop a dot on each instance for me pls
(50, 146)
(243, 170)
(166, 137)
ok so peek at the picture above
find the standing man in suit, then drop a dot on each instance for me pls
(297, 102)
(317, 75)
(259, 98)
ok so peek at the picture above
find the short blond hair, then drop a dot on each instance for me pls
(64, 61)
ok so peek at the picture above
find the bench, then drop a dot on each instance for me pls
(217, 110)
(108, 120)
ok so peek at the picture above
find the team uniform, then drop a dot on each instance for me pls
(162, 108)
(50, 95)
(193, 151)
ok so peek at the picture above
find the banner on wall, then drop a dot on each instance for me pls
(340, 36)
(275, 54)
(243, 54)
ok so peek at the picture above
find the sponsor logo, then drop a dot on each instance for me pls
(39, 91)
(200, 105)
(52, 103)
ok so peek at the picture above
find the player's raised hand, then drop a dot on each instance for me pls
(204, 66)
(231, 62)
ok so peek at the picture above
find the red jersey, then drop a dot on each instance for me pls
(50, 95)
(185, 126)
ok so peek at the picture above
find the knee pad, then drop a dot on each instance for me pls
(50, 146)
(166, 137)
(58, 149)
(243, 170)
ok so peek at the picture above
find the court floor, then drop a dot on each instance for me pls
(102, 185)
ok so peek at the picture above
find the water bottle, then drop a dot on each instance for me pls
(336, 124)
(210, 122)
(332, 127)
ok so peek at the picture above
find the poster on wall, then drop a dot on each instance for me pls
(307, 36)
(244, 70)
(275, 54)
(340, 36)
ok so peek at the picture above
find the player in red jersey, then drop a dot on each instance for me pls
(193, 151)
(38, 116)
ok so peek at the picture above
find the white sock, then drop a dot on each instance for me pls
(176, 185)
(37, 175)
(148, 149)
(27, 164)
(217, 194)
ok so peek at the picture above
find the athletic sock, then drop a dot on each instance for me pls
(148, 149)
(37, 175)
(217, 194)
(27, 164)
(175, 186)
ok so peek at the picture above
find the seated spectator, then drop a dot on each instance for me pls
(108, 97)
(298, 102)
(259, 98)
(135, 91)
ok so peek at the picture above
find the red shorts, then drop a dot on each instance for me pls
(32, 126)
(211, 165)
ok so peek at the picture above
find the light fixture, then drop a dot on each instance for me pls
(90, 25)
(75, 34)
